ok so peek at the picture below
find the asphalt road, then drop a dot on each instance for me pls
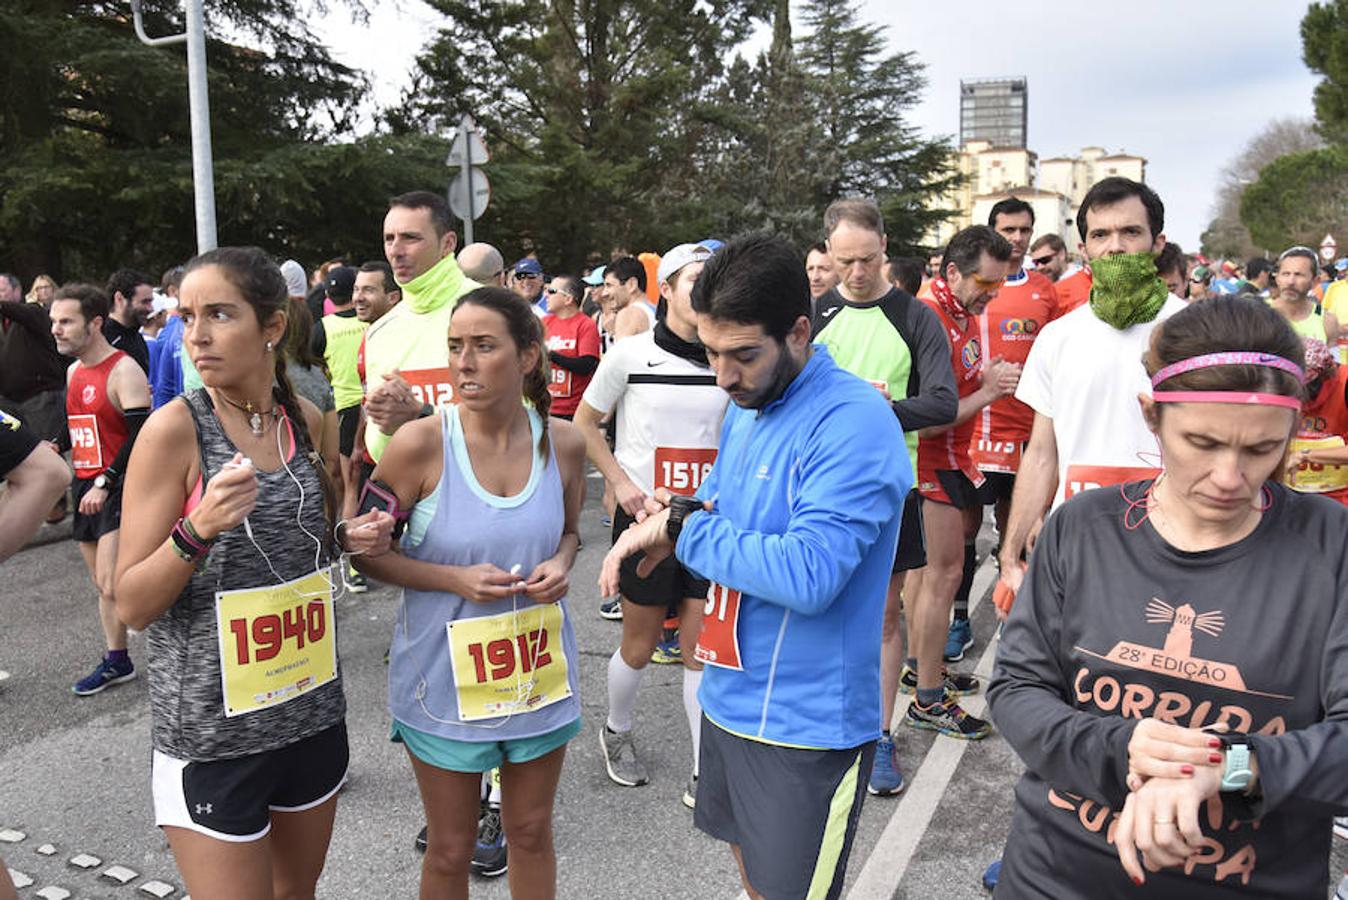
(74, 772)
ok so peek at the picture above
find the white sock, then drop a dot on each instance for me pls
(692, 679)
(623, 681)
(494, 795)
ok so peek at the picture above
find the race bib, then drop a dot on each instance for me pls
(86, 451)
(509, 663)
(276, 642)
(560, 385)
(1084, 478)
(430, 385)
(1312, 477)
(681, 470)
(719, 642)
(996, 456)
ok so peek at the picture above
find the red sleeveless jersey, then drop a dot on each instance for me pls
(950, 448)
(97, 427)
(1024, 305)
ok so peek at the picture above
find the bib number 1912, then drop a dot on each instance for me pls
(498, 659)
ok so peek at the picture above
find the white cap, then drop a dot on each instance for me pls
(677, 258)
(160, 302)
(297, 285)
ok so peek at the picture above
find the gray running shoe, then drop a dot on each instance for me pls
(620, 758)
(690, 793)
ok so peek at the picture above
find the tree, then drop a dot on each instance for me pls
(1226, 236)
(585, 104)
(1298, 199)
(95, 164)
(1324, 48)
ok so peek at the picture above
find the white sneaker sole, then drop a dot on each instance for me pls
(608, 765)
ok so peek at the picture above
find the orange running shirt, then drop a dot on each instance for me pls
(1073, 291)
(1025, 304)
(950, 448)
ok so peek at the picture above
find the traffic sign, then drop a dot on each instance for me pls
(467, 145)
(466, 204)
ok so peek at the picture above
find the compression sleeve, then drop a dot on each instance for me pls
(1077, 750)
(935, 403)
(577, 365)
(135, 418)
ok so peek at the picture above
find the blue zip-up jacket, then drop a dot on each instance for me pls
(809, 493)
(167, 381)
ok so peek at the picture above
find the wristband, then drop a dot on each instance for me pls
(179, 552)
(186, 523)
(1236, 772)
(426, 410)
(187, 543)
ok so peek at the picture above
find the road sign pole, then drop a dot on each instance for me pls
(468, 170)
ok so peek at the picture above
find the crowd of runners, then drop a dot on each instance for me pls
(798, 448)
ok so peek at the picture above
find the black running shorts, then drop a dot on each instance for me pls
(669, 583)
(233, 799)
(912, 549)
(88, 529)
(997, 486)
(348, 420)
(793, 813)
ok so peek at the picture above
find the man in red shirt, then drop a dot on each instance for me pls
(573, 345)
(1049, 255)
(975, 264)
(107, 402)
(1024, 305)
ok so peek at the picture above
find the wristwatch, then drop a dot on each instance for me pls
(1237, 774)
(680, 508)
(101, 482)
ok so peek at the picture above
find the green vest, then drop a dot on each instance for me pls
(343, 334)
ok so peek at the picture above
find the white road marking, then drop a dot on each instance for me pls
(889, 859)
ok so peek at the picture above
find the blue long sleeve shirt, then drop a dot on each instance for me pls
(167, 376)
(808, 494)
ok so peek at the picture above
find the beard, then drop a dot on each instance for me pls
(783, 373)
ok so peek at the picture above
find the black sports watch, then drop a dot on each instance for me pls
(680, 508)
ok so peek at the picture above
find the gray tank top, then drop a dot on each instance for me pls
(188, 643)
(510, 656)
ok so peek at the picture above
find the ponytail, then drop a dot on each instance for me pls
(285, 395)
(537, 393)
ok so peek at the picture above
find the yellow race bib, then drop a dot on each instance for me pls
(276, 642)
(509, 663)
(1316, 478)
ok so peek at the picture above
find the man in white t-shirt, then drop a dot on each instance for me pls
(669, 412)
(1084, 372)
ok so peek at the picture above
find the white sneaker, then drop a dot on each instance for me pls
(1341, 826)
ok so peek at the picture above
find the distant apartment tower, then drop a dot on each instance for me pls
(994, 110)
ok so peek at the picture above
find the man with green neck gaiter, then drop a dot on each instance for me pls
(406, 353)
(1084, 373)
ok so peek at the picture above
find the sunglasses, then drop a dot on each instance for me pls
(522, 275)
(552, 290)
(1042, 260)
(989, 283)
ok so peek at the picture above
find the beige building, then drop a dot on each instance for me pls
(1054, 187)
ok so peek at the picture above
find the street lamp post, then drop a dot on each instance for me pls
(203, 173)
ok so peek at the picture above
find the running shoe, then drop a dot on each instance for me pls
(1341, 826)
(489, 856)
(355, 581)
(886, 779)
(957, 684)
(690, 793)
(948, 718)
(606, 520)
(668, 652)
(420, 842)
(991, 874)
(620, 758)
(961, 638)
(104, 675)
(611, 609)
(4, 676)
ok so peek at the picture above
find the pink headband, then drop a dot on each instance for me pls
(1228, 358)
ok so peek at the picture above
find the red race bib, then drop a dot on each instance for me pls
(681, 470)
(719, 642)
(430, 385)
(560, 385)
(1084, 478)
(86, 451)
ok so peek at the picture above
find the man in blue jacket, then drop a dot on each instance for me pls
(796, 527)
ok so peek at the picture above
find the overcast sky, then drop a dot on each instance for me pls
(1184, 83)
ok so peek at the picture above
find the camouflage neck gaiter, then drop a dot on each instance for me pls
(1126, 290)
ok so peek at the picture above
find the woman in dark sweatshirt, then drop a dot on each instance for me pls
(1175, 671)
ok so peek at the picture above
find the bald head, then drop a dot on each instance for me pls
(483, 263)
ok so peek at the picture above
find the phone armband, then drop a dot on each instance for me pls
(377, 495)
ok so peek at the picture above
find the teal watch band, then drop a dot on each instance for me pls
(1236, 776)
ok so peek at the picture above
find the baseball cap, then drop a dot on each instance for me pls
(340, 284)
(296, 284)
(711, 244)
(160, 302)
(1341, 264)
(596, 277)
(678, 257)
(528, 266)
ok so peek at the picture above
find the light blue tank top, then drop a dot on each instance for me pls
(467, 526)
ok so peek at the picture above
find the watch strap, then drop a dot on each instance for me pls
(1236, 774)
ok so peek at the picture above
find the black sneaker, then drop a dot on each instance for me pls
(489, 856)
(948, 718)
(612, 609)
(420, 842)
(957, 684)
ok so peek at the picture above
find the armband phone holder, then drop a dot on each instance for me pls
(380, 496)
